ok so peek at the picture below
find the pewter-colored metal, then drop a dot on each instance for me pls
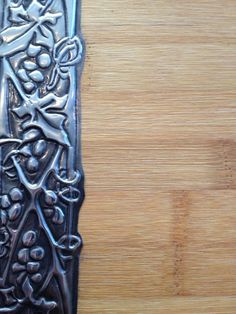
(41, 186)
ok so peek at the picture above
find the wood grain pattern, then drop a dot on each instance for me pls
(159, 152)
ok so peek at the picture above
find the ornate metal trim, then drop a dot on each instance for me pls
(41, 185)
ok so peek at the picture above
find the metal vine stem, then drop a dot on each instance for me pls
(41, 188)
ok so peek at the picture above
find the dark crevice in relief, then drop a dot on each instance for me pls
(41, 189)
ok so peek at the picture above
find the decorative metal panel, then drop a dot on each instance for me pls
(41, 186)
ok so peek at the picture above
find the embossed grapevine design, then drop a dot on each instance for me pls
(42, 185)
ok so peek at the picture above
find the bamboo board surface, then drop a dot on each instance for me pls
(159, 153)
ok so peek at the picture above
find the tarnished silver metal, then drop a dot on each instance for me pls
(41, 186)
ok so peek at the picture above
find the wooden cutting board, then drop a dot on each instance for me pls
(159, 153)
